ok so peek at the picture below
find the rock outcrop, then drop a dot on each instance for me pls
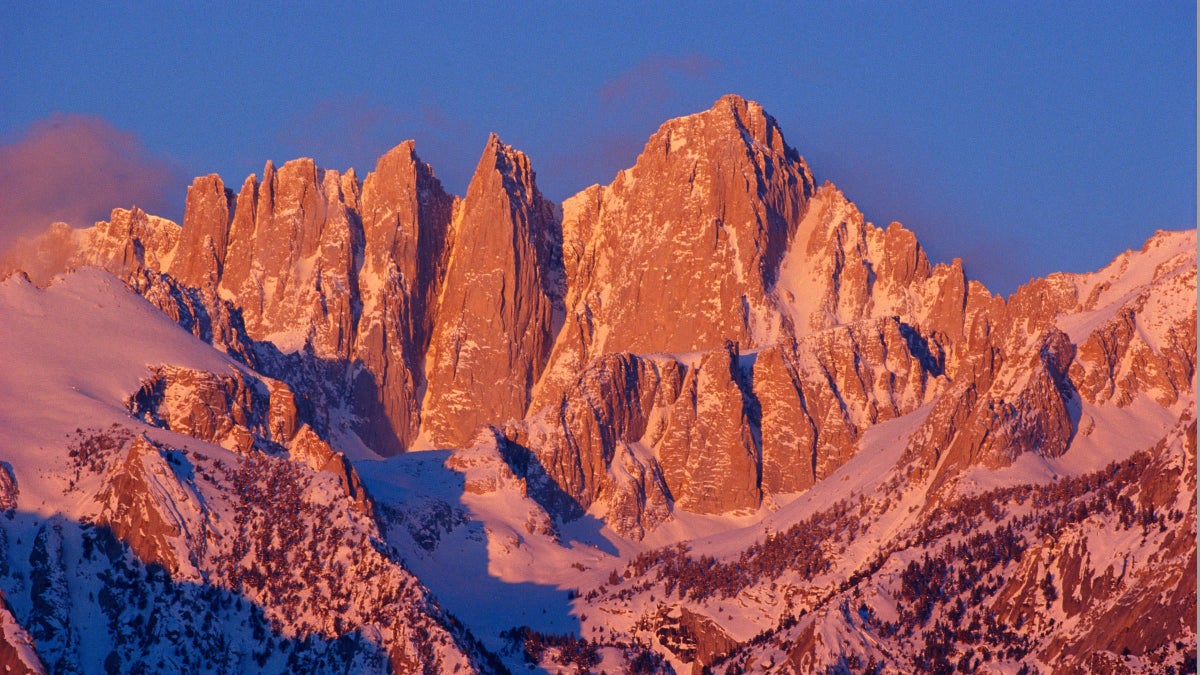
(234, 410)
(1110, 337)
(9, 489)
(639, 436)
(266, 550)
(147, 506)
(17, 651)
(308, 447)
(242, 413)
(406, 219)
(495, 318)
(712, 334)
(205, 235)
(679, 253)
(708, 451)
(1142, 343)
(302, 294)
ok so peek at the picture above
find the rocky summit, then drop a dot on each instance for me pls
(706, 418)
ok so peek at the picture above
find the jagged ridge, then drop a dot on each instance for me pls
(711, 333)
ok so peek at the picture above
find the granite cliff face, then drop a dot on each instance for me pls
(679, 253)
(415, 318)
(406, 225)
(712, 335)
(496, 308)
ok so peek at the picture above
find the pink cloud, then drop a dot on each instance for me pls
(655, 76)
(628, 108)
(342, 132)
(76, 169)
(354, 131)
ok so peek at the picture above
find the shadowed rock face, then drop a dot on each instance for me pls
(712, 333)
(406, 219)
(17, 653)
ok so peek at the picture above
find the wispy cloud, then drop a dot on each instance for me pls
(343, 132)
(628, 107)
(76, 169)
(354, 131)
(655, 79)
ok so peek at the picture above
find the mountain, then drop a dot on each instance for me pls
(189, 520)
(704, 418)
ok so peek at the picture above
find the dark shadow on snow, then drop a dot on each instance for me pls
(55, 571)
(422, 507)
(552, 498)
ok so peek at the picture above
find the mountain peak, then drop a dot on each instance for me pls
(395, 166)
(774, 417)
(744, 111)
(405, 151)
(719, 186)
(496, 154)
(205, 235)
(730, 117)
(502, 156)
(493, 333)
(513, 168)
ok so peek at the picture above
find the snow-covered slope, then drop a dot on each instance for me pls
(128, 545)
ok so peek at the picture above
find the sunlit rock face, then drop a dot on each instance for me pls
(680, 252)
(754, 430)
(495, 318)
(406, 219)
(424, 317)
(435, 316)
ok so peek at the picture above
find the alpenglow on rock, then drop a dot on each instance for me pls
(495, 317)
(408, 317)
(745, 427)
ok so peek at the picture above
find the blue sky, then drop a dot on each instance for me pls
(1023, 137)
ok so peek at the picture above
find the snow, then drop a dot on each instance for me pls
(73, 353)
(1125, 278)
(1107, 433)
(678, 141)
(494, 572)
(879, 449)
(288, 341)
(12, 633)
(349, 444)
(491, 572)
(798, 285)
